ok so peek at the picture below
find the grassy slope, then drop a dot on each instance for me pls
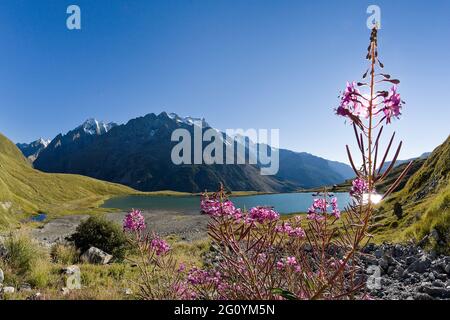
(24, 190)
(425, 200)
(384, 186)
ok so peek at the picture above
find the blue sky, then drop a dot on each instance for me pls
(240, 64)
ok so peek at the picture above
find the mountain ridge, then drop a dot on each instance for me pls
(146, 145)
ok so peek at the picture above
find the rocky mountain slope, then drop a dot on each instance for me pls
(31, 150)
(138, 154)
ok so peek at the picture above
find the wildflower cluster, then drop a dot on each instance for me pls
(320, 206)
(359, 187)
(134, 221)
(160, 246)
(160, 277)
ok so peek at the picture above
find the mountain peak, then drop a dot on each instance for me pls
(187, 120)
(31, 150)
(94, 127)
(43, 142)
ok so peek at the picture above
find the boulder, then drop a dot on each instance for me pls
(383, 263)
(35, 296)
(127, 291)
(437, 292)
(65, 291)
(25, 287)
(71, 270)
(447, 268)
(9, 290)
(72, 277)
(421, 265)
(3, 250)
(96, 256)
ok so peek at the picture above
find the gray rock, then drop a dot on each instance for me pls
(72, 277)
(438, 283)
(390, 270)
(65, 291)
(420, 265)
(3, 251)
(96, 256)
(379, 253)
(35, 296)
(422, 296)
(447, 268)
(9, 290)
(410, 260)
(383, 263)
(71, 270)
(2, 276)
(25, 287)
(437, 292)
(128, 292)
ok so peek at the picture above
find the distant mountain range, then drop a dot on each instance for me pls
(31, 150)
(138, 154)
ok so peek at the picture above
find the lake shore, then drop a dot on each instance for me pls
(186, 227)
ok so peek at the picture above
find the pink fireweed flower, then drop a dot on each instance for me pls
(160, 246)
(134, 221)
(315, 216)
(183, 291)
(335, 208)
(291, 261)
(297, 233)
(286, 228)
(320, 204)
(350, 92)
(359, 187)
(280, 265)
(263, 214)
(350, 105)
(197, 276)
(392, 105)
(320, 207)
(181, 267)
(262, 257)
(217, 208)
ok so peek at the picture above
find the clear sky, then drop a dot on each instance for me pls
(239, 64)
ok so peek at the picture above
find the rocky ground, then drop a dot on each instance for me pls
(396, 272)
(406, 273)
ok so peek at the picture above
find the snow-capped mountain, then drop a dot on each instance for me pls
(31, 150)
(138, 154)
(94, 127)
(188, 120)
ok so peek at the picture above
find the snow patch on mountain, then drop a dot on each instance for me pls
(94, 127)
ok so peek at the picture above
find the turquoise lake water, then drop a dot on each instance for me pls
(284, 203)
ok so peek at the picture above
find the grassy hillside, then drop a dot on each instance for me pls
(383, 186)
(425, 202)
(24, 190)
